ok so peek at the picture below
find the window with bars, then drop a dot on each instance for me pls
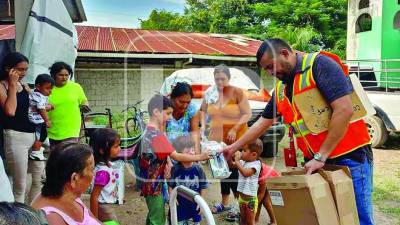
(364, 4)
(396, 21)
(364, 23)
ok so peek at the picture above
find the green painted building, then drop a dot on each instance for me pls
(373, 38)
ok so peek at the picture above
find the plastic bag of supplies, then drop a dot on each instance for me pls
(218, 164)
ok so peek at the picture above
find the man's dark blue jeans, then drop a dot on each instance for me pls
(362, 181)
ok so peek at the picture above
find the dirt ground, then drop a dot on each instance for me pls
(386, 163)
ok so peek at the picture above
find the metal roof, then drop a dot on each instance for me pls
(7, 32)
(124, 40)
(106, 39)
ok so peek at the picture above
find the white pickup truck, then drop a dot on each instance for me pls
(387, 117)
(386, 103)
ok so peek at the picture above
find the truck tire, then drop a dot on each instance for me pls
(377, 131)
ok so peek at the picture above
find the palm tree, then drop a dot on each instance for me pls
(302, 38)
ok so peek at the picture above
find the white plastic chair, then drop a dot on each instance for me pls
(191, 196)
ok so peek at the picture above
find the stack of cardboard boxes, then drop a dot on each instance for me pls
(323, 198)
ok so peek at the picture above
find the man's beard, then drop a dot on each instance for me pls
(287, 75)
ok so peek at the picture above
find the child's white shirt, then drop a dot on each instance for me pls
(109, 193)
(37, 101)
(249, 185)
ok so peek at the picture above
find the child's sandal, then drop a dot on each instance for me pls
(218, 208)
(232, 216)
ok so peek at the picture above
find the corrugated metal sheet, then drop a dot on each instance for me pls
(113, 40)
(7, 32)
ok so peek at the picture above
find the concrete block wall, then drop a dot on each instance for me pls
(115, 88)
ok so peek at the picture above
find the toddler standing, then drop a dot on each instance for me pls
(249, 167)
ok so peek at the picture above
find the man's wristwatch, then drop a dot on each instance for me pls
(318, 156)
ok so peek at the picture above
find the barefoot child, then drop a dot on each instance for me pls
(190, 175)
(155, 151)
(38, 107)
(249, 167)
(105, 143)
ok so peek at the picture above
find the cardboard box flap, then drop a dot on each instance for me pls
(336, 168)
(341, 186)
(287, 182)
(295, 180)
(302, 199)
(311, 180)
(323, 201)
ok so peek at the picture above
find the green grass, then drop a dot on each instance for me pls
(386, 195)
(386, 189)
(118, 123)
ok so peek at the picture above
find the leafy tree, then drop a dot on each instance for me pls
(302, 39)
(308, 25)
(328, 18)
(164, 20)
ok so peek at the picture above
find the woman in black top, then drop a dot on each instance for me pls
(18, 130)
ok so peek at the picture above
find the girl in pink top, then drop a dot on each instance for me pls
(69, 172)
(105, 143)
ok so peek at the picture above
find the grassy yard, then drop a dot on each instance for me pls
(387, 179)
(118, 123)
(387, 194)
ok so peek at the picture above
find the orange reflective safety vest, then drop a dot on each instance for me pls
(310, 143)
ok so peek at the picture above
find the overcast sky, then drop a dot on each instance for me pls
(125, 13)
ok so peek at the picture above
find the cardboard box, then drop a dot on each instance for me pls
(300, 199)
(341, 184)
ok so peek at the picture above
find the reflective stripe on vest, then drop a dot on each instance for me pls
(280, 90)
(306, 76)
(310, 143)
(301, 128)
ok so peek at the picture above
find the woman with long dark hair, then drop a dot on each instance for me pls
(18, 130)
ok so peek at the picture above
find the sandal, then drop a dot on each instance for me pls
(218, 208)
(232, 216)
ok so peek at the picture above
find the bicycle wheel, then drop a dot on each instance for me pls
(132, 127)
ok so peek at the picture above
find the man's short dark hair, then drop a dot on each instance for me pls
(159, 102)
(44, 78)
(271, 46)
